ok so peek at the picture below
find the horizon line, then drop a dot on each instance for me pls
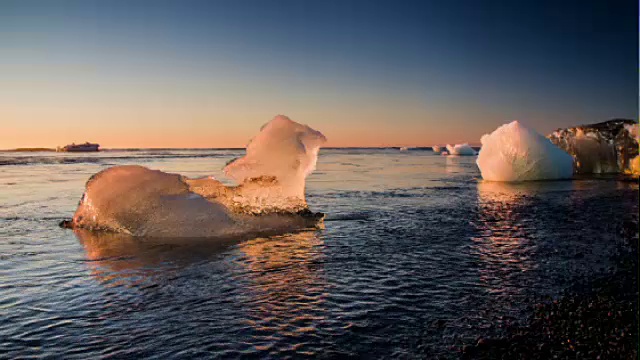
(46, 149)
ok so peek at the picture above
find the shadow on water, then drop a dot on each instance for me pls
(121, 259)
(120, 256)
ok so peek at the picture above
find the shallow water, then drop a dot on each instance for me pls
(416, 255)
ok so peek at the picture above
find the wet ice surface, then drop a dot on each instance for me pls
(514, 152)
(416, 256)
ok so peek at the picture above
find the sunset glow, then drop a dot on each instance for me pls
(207, 74)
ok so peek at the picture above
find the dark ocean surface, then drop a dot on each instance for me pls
(417, 256)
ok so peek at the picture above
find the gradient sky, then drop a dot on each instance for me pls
(365, 73)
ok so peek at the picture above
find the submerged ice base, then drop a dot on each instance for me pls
(270, 198)
(514, 152)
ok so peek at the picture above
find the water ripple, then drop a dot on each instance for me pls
(410, 262)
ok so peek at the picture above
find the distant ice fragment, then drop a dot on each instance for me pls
(461, 150)
(436, 149)
(514, 152)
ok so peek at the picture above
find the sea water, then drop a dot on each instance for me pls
(417, 255)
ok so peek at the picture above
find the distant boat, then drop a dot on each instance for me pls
(86, 147)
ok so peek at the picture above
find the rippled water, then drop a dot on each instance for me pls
(416, 255)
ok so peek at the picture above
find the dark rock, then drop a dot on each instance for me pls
(594, 318)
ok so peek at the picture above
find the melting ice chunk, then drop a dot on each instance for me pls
(514, 152)
(144, 202)
(284, 150)
(461, 150)
(605, 147)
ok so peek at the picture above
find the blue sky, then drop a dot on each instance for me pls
(366, 73)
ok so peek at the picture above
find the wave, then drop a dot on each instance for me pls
(61, 160)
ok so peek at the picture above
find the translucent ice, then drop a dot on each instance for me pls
(514, 152)
(284, 151)
(594, 156)
(140, 201)
(461, 150)
(605, 147)
(143, 202)
(634, 166)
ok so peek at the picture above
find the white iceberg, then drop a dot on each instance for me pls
(514, 152)
(270, 198)
(461, 150)
(436, 149)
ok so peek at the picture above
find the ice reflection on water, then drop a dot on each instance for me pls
(122, 260)
(503, 241)
(288, 289)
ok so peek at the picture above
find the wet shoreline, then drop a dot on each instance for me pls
(593, 319)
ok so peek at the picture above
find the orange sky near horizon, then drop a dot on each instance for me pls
(160, 121)
(206, 121)
(236, 131)
(220, 136)
(168, 130)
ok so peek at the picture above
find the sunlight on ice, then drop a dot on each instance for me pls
(514, 152)
(284, 151)
(634, 166)
(143, 202)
